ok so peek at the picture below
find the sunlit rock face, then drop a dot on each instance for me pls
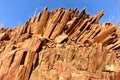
(60, 45)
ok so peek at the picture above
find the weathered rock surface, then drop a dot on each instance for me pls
(61, 45)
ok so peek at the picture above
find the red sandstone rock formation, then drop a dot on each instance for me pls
(61, 45)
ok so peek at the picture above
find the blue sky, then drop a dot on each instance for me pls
(16, 12)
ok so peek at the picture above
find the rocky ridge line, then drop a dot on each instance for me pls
(61, 45)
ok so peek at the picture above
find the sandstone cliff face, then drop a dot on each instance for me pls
(61, 45)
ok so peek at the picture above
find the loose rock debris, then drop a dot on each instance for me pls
(61, 45)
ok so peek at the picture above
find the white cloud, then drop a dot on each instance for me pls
(1, 25)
